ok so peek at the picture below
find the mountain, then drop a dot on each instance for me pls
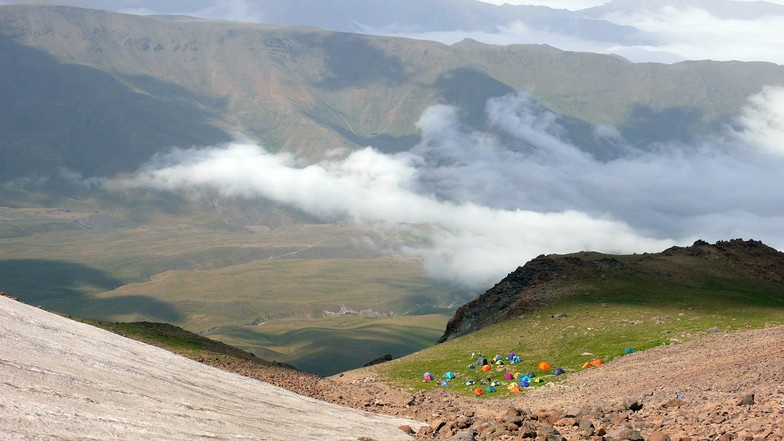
(96, 93)
(725, 266)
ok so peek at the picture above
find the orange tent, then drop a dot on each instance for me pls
(587, 365)
(478, 391)
(544, 366)
(486, 367)
(515, 390)
(596, 362)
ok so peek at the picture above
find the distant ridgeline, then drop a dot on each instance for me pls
(112, 89)
(735, 272)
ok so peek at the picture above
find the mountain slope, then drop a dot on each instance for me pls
(79, 381)
(178, 81)
(727, 267)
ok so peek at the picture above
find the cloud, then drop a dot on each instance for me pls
(475, 205)
(695, 34)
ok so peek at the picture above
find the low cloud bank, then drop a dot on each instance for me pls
(475, 205)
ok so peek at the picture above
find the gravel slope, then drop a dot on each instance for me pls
(60, 379)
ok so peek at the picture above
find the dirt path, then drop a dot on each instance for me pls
(60, 379)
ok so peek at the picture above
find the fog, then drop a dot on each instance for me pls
(475, 205)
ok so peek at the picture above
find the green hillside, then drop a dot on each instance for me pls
(288, 291)
(649, 300)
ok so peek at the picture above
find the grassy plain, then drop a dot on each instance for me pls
(291, 293)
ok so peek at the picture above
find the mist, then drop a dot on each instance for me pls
(475, 205)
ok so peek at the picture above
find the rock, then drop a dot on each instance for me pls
(566, 422)
(464, 422)
(658, 436)
(624, 433)
(463, 436)
(406, 428)
(425, 431)
(755, 427)
(527, 430)
(746, 400)
(408, 400)
(586, 426)
(725, 437)
(574, 411)
(437, 424)
(633, 405)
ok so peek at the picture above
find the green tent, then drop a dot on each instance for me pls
(489, 389)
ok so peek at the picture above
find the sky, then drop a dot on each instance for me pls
(573, 5)
(475, 205)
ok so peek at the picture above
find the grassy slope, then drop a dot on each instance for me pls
(195, 271)
(636, 312)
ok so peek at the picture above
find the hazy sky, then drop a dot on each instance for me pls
(573, 5)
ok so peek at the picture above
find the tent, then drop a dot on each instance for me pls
(444, 383)
(495, 383)
(526, 378)
(524, 383)
(499, 362)
(508, 376)
(629, 351)
(587, 365)
(518, 375)
(515, 390)
(596, 362)
(544, 366)
(498, 358)
(470, 383)
(478, 391)
(481, 361)
(486, 367)
(449, 375)
(511, 356)
(530, 374)
(559, 371)
(471, 366)
(428, 376)
(489, 389)
(537, 380)
(516, 359)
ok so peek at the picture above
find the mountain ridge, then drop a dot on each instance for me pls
(195, 82)
(554, 277)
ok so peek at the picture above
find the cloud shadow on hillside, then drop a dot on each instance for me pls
(646, 125)
(468, 90)
(58, 115)
(353, 62)
(63, 287)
